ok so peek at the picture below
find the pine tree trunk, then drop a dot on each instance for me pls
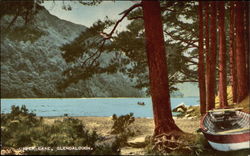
(233, 70)
(242, 84)
(222, 56)
(247, 29)
(207, 48)
(201, 74)
(158, 73)
(211, 81)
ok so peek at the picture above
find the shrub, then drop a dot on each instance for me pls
(16, 127)
(121, 128)
(121, 123)
(23, 129)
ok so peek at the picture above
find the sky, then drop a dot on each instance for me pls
(87, 15)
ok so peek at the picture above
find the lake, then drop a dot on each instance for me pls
(90, 106)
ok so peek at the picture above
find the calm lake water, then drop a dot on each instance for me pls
(90, 106)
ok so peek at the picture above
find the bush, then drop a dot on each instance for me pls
(17, 126)
(23, 129)
(121, 123)
(121, 128)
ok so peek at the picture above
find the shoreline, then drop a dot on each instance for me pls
(144, 126)
(175, 117)
(90, 116)
(93, 97)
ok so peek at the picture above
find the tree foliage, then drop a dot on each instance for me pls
(24, 9)
(122, 129)
(121, 123)
(129, 48)
(84, 55)
(181, 25)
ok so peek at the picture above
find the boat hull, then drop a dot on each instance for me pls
(226, 142)
(229, 146)
(228, 139)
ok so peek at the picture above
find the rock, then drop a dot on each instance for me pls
(192, 117)
(187, 115)
(106, 140)
(182, 106)
(148, 138)
(138, 142)
(138, 139)
(180, 110)
(132, 151)
(190, 110)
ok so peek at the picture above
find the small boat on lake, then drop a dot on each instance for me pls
(227, 129)
(141, 103)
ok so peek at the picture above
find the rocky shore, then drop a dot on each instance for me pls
(187, 112)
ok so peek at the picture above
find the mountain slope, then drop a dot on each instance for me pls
(32, 65)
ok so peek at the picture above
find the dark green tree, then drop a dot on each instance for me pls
(24, 9)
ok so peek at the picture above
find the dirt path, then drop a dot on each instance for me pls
(142, 126)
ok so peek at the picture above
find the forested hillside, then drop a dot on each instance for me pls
(32, 63)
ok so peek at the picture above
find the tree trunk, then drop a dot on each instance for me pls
(211, 81)
(242, 84)
(207, 48)
(201, 74)
(222, 56)
(247, 29)
(232, 53)
(158, 73)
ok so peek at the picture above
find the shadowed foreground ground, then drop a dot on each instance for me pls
(103, 124)
(143, 127)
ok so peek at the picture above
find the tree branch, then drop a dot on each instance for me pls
(125, 13)
(167, 9)
(108, 36)
(189, 42)
(173, 80)
(131, 8)
(14, 19)
(136, 17)
(187, 74)
(98, 51)
(192, 63)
